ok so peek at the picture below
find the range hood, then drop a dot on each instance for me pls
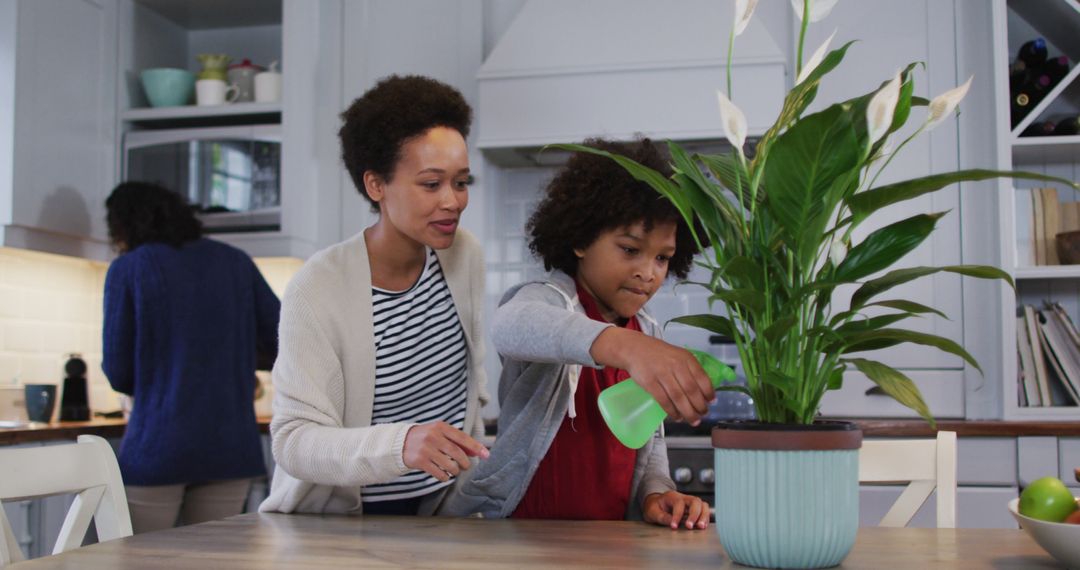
(566, 70)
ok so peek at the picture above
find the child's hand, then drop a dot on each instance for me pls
(440, 450)
(670, 509)
(671, 375)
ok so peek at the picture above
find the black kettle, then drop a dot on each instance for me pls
(75, 403)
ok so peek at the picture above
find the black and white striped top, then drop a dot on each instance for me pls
(421, 362)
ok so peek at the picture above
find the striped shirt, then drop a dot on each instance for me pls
(421, 362)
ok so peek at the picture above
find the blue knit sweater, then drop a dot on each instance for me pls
(182, 326)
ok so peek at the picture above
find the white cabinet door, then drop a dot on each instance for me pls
(890, 36)
(442, 39)
(976, 507)
(63, 125)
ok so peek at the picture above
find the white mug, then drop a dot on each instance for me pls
(214, 92)
(268, 87)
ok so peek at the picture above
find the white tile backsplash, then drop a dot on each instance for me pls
(51, 306)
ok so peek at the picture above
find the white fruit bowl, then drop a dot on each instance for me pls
(1060, 540)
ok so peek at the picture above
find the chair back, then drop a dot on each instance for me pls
(927, 464)
(87, 468)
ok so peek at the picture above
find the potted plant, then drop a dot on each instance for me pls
(776, 232)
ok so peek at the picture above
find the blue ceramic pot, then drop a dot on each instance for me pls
(787, 497)
(167, 87)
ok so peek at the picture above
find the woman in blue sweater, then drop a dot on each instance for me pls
(184, 319)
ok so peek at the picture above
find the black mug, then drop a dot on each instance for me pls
(40, 399)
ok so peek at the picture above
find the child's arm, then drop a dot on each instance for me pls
(670, 374)
(535, 326)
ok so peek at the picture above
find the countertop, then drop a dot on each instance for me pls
(52, 431)
(109, 428)
(259, 541)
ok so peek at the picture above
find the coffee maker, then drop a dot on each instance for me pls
(75, 403)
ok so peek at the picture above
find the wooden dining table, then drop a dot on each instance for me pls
(253, 541)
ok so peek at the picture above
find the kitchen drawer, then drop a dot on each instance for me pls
(1037, 456)
(943, 391)
(976, 507)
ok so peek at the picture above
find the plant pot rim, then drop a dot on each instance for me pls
(822, 435)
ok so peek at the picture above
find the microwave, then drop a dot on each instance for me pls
(231, 176)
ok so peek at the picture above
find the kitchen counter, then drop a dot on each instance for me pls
(109, 428)
(54, 431)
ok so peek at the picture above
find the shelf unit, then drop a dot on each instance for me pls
(1015, 22)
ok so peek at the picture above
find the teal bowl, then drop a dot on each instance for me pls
(167, 86)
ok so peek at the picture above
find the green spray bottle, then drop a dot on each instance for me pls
(633, 415)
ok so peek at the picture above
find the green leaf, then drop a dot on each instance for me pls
(886, 246)
(782, 382)
(712, 323)
(836, 379)
(865, 203)
(900, 276)
(778, 328)
(808, 162)
(882, 338)
(895, 384)
(871, 323)
(749, 298)
(899, 304)
(743, 271)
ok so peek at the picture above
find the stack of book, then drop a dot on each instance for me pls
(1049, 355)
(1040, 216)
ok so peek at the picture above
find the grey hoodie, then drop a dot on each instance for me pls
(543, 338)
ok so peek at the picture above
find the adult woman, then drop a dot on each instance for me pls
(184, 319)
(379, 379)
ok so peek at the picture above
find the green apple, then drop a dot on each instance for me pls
(1047, 499)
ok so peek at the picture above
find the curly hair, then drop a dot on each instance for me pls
(383, 119)
(593, 194)
(142, 212)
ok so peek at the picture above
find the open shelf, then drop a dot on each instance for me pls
(150, 114)
(1047, 272)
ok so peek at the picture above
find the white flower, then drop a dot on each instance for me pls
(743, 10)
(734, 121)
(879, 114)
(837, 252)
(818, 9)
(944, 104)
(815, 60)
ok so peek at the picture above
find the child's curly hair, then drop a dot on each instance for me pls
(592, 194)
(396, 109)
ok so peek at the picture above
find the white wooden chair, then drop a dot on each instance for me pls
(87, 468)
(926, 463)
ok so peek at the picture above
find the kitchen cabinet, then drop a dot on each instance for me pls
(57, 124)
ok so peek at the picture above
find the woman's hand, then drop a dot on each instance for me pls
(672, 507)
(440, 450)
(671, 375)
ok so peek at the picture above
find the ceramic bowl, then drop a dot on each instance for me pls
(167, 86)
(1060, 540)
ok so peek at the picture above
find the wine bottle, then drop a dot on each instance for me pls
(1067, 127)
(1056, 67)
(1039, 129)
(1033, 53)
(1029, 95)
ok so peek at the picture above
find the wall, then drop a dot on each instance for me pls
(51, 305)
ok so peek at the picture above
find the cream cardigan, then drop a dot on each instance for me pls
(324, 379)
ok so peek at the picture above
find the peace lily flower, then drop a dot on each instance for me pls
(818, 8)
(815, 59)
(734, 122)
(743, 10)
(837, 251)
(879, 114)
(943, 105)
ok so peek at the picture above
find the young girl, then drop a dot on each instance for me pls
(379, 379)
(611, 242)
